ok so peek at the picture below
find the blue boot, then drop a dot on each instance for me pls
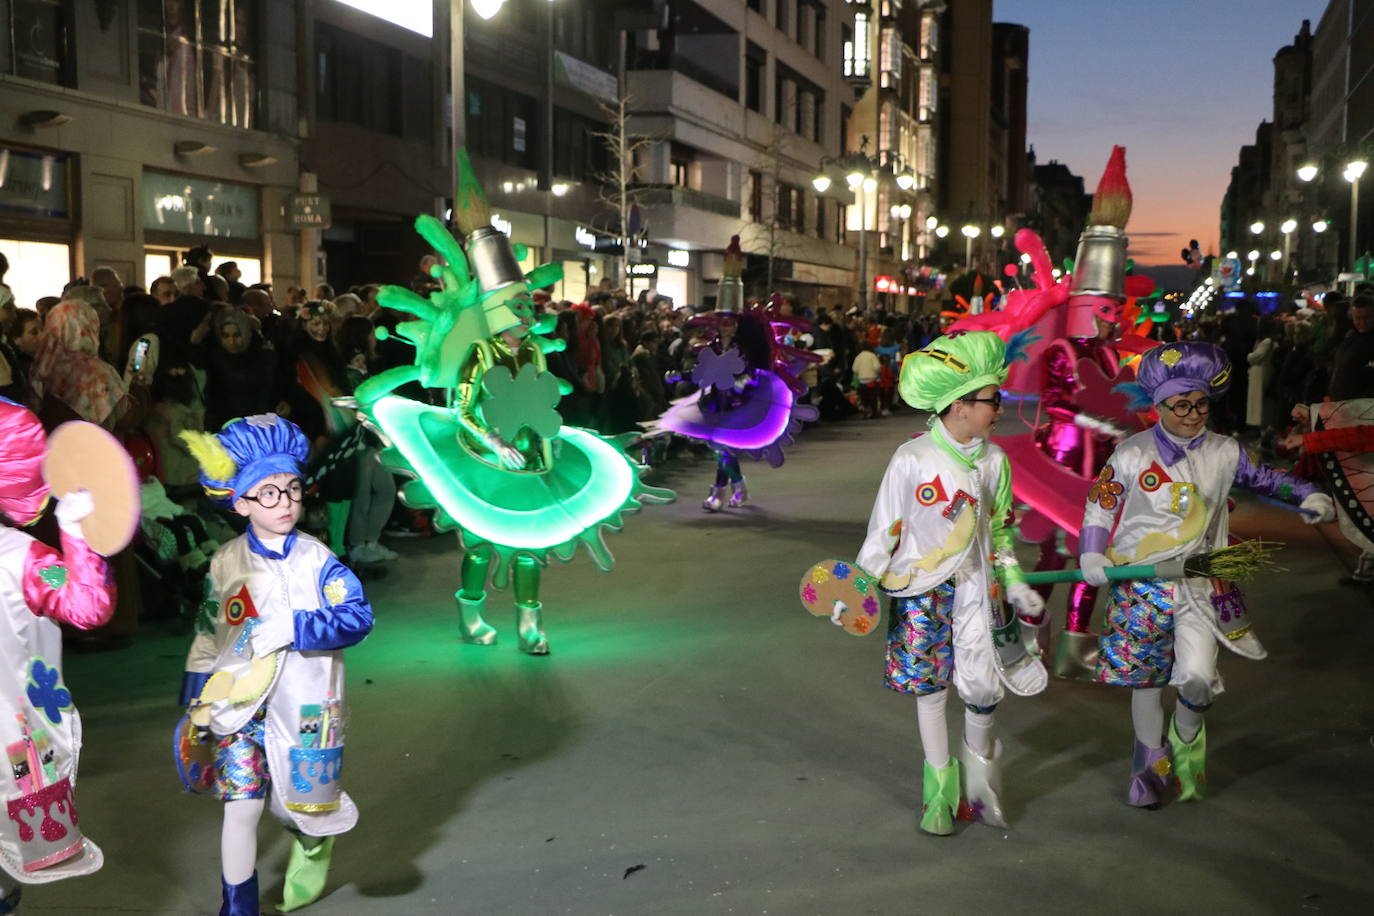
(240, 899)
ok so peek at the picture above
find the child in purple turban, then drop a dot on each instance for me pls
(1162, 496)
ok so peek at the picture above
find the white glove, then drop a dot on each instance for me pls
(1094, 566)
(1322, 505)
(273, 633)
(71, 509)
(1027, 602)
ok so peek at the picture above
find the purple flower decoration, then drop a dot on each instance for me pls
(841, 571)
(870, 606)
(809, 593)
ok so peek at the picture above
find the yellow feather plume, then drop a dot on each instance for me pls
(210, 454)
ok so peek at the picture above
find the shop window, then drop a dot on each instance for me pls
(199, 58)
(156, 264)
(39, 41)
(249, 268)
(37, 269)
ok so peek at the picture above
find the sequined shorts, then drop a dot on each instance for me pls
(1137, 647)
(241, 761)
(920, 642)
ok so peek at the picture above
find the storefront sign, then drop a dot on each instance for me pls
(196, 206)
(33, 183)
(643, 269)
(308, 211)
(585, 237)
(679, 258)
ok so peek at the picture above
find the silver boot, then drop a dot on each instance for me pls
(471, 626)
(983, 784)
(739, 495)
(529, 623)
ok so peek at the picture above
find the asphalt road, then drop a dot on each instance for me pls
(697, 744)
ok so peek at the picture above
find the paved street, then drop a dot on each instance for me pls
(697, 744)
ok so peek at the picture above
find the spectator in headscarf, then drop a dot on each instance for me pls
(241, 374)
(70, 380)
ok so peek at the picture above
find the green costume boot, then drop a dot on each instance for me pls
(1190, 758)
(471, 627)
(939, 798)
(306, 872)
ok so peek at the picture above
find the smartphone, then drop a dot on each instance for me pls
(141, 353)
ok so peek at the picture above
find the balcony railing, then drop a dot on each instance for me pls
(667, 195)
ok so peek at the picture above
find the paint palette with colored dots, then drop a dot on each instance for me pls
(844, 593)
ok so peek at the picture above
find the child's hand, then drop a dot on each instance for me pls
(1027, 602)
(71, 509)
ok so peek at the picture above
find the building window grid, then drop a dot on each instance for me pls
(198, 58)
(890, 58)
(40, 39)
(857, 53)
(930, 38)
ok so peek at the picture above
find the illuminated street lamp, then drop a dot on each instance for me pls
(1321, 225)
(941, 231)
(1307, 171)
(821, 183)
(998, 231)
(486, 8)
(1287, 227)
(932, 222)
(905, 180)
(970, 232)
(1257, 227)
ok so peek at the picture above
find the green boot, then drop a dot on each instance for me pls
(939, 798)
(1190, 758)
(306, 872)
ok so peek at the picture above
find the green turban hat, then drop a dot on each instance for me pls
(948, 368)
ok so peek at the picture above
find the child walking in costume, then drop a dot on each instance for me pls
(40, 840)
(940, 541)
(268, 681)
(1162, 496)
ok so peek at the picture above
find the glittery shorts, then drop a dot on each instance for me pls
(241, 762)
(1137, 647)
(920, 643)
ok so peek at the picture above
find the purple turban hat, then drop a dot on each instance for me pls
(1175, 368)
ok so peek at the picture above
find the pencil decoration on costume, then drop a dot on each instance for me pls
(489, 250)
(1235, 563)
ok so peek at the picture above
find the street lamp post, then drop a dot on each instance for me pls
(1354, 171)
(1287, 227)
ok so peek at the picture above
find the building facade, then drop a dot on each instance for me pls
(138, 130)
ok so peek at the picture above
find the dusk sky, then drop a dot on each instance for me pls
(1182, 84)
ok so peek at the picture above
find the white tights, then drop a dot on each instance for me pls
(1147, 715)
(238, 842)
(930, 721)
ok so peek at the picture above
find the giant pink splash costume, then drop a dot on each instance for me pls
(1075, 358)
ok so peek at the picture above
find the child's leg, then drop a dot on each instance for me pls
(978, 731)
(1147, 716)
(930, 721)
(1195, 676)
(238, 842)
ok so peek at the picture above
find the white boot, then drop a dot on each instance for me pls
(714, 502)
(740, 495)
(983, 784)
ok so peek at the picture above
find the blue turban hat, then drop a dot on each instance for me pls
(245, 452)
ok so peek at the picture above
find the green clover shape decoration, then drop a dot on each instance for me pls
(527, 399)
